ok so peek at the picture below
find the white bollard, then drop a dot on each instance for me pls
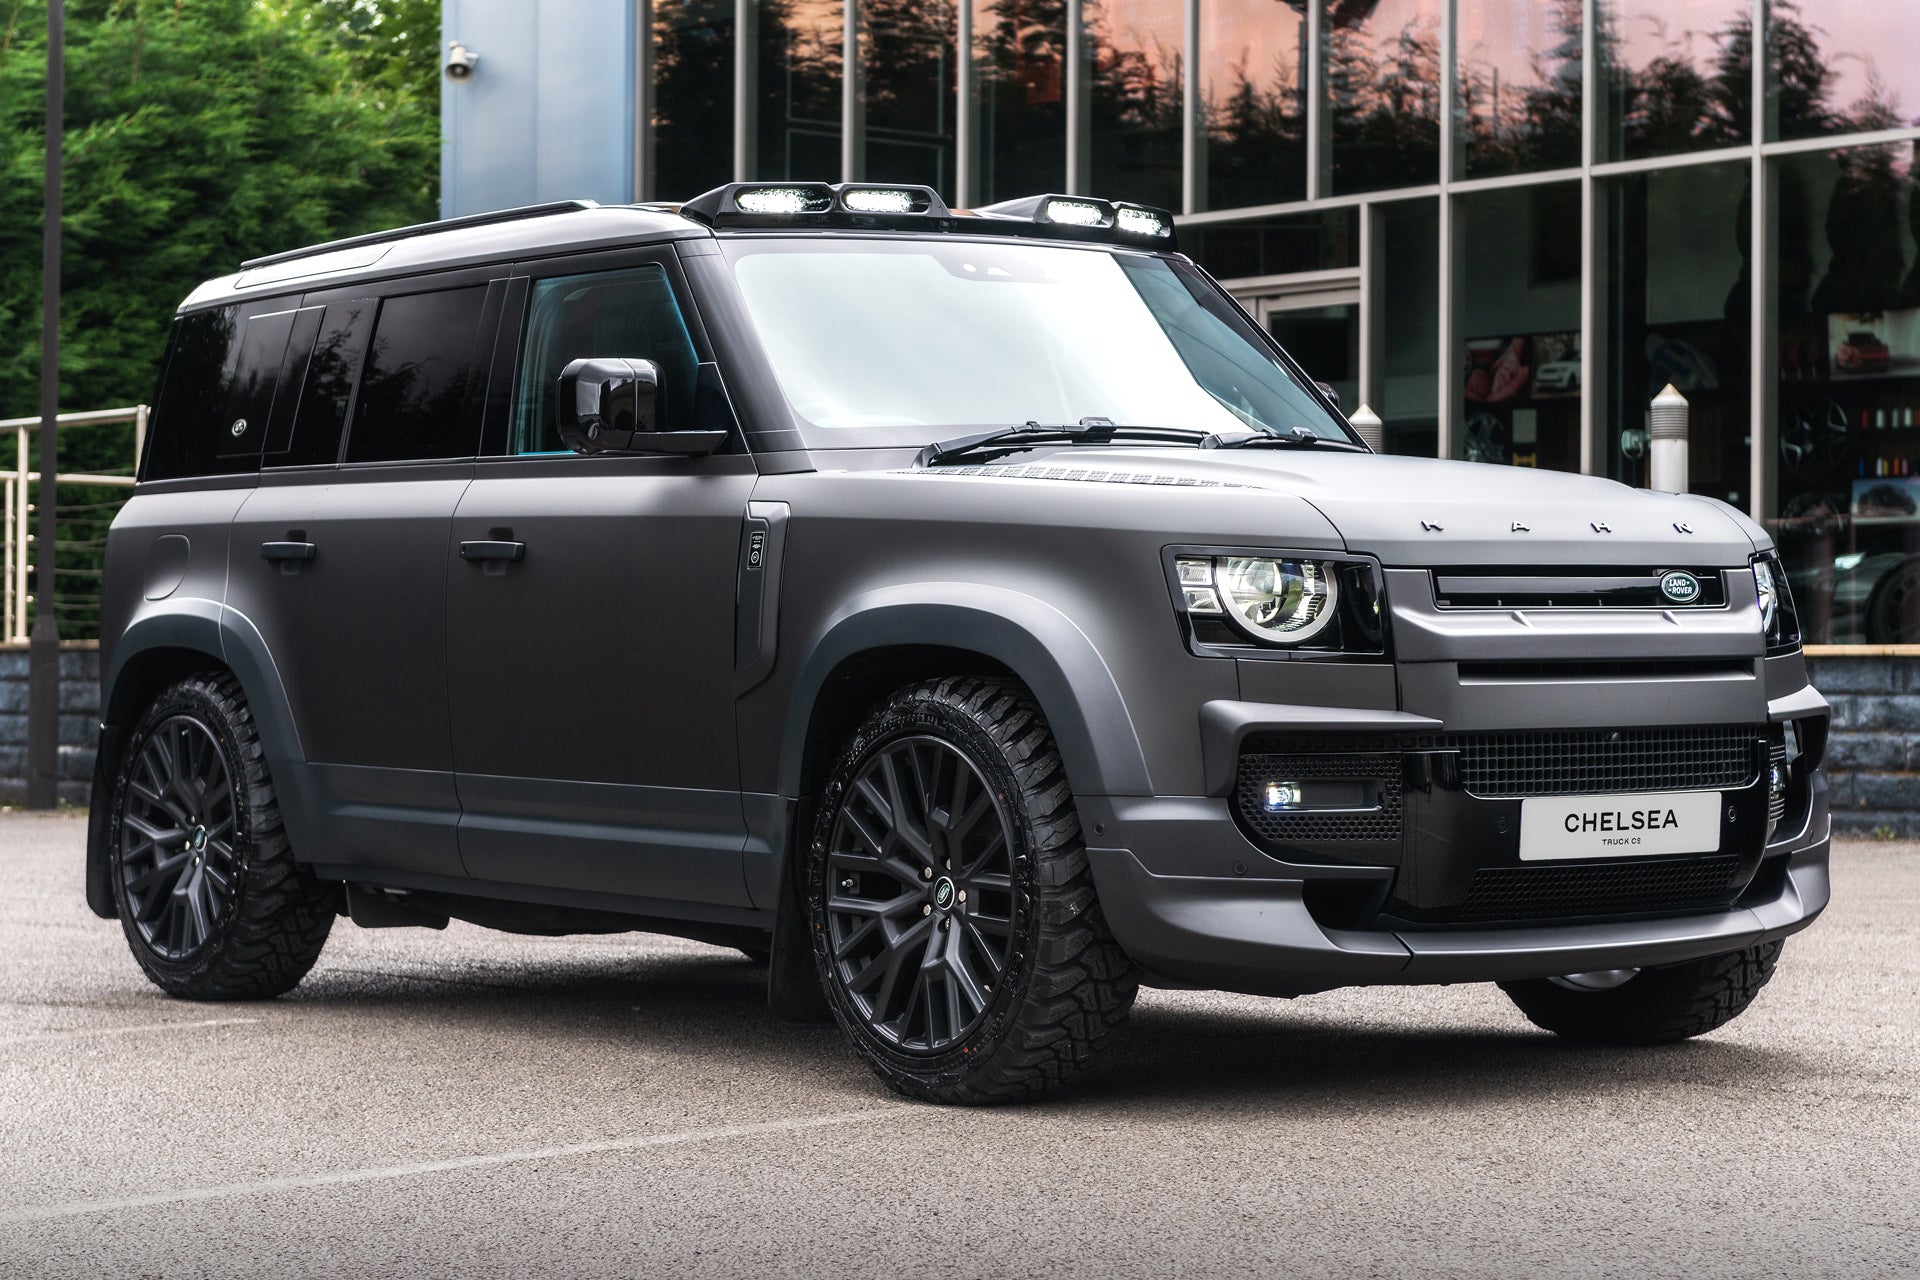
(1369, 427)
(1667, 443)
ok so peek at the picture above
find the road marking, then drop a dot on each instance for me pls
(81, 1032)
(76, 1208)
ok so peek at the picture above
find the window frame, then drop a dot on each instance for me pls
(503, 386)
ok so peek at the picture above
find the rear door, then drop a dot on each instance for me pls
(592, 676)
(339, 562)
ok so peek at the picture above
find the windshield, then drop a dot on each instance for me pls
(897, 342)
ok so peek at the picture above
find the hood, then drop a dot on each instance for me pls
(1426, 511)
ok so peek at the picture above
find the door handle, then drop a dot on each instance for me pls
(493, 550)
(287, 550)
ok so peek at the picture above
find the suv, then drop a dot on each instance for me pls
(970, 614)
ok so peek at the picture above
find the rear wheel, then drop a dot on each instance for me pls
(211, 900)
(1648, 1006)
(952, 910)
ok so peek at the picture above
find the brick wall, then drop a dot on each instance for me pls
(79, 723)
(1873, 758)
(1873, 761)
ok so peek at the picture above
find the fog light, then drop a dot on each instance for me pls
(1777, 781)
(1282, 796)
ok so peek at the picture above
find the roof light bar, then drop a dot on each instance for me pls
(1138, 221)
(782, 200)
(1086, 218)
(1077, 213)
(789, 204)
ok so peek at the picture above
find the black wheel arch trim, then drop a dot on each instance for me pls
(1040, 645)
(226, 639)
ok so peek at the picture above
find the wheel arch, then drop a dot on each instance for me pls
(887, 639)
(156, 650)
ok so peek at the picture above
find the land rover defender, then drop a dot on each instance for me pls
(971, 614)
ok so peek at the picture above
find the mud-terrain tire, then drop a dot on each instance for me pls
(1655, 1006)
(209, 896)
(947, 852)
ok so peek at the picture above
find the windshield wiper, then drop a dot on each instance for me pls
(998, 444)
(1298, 438)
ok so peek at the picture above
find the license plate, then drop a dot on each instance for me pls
(1621, 826)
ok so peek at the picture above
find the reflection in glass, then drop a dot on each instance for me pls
(1134, 108)
(693, 49)
(1325, 341)
(1678, 305)
(1253, 81)
(1849, 393)
(1410, 327)
(1519, 86)
(1383, 93)
(1841, 66)
(1323, 241)
(799, 89)
(1519, 309)
(1021, 47)
(1676, 76)
(906, 49)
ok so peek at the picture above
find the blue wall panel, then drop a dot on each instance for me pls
(548, 111)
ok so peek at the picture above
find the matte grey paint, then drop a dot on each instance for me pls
(669, 788)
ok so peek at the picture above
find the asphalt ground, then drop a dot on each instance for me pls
(474, 1104)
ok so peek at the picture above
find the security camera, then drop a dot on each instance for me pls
(460, 61)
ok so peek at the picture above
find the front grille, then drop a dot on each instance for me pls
(1380, 823)
(1597, 761)
(1549, 893)
(1573, 588)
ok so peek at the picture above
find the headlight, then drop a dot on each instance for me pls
(1278, 601)
(1283, 600)
(1777, 616)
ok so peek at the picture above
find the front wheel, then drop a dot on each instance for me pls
(952, 910)
(1648, 1006)
(212, 902)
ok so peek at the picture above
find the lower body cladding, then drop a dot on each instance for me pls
(1353, 858)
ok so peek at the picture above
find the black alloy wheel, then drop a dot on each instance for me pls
(212, 902)
(955, 927)
(178, 869)
(920, 906)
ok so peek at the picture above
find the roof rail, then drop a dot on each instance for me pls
(422, 228)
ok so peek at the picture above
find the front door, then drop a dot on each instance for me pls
(590, 609)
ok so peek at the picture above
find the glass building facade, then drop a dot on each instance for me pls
(1504, 225)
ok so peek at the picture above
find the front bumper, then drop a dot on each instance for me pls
(1196, 901)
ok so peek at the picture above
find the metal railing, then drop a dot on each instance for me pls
(17, 504)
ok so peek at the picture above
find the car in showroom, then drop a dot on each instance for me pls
(1863, 352)
(971, 614)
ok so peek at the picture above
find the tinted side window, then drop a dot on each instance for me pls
(629, 313)
(326, 366)
(252, 386)
(421, 370)
(192, 397)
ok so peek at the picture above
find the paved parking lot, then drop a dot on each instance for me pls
(466, 1103)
